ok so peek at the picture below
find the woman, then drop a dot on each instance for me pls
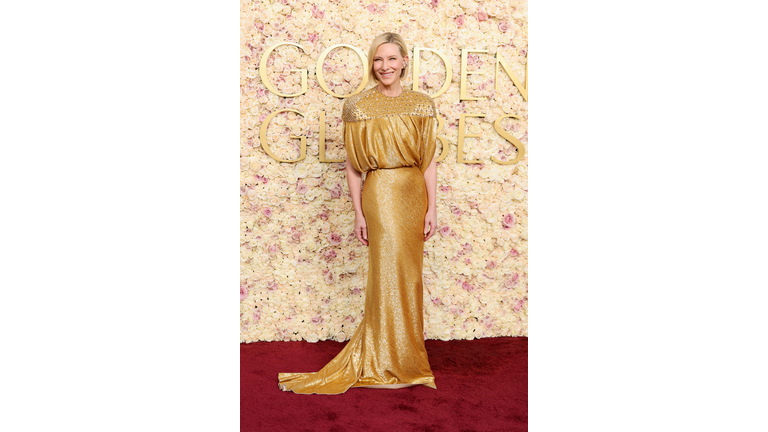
(389, 133)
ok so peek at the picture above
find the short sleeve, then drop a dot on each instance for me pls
(353, 134)
(429, 138)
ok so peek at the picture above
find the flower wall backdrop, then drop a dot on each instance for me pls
(303, 273)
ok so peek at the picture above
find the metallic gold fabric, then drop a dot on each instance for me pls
(392, 139)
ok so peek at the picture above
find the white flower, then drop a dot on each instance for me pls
(351, 266)
(301, 170)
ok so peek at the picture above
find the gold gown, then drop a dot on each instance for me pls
(392, 139)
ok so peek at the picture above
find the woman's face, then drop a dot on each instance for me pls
(387, 63)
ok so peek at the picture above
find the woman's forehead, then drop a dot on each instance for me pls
(387, 49)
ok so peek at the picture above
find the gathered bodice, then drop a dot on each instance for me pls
(383, 132)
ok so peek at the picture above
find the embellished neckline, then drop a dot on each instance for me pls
(372, 104)
(376, 87)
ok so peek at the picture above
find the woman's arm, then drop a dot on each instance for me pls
(430, 220)
(355, 182)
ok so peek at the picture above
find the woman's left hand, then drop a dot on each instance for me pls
(430, 224)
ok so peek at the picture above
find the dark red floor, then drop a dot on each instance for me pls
(482, 385)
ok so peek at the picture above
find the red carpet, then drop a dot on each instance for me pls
(482, 385)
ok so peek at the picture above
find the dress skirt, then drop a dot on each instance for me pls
(387, 349)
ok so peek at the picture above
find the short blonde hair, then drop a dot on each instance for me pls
(381, 39)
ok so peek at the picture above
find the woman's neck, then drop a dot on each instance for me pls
(393, 90)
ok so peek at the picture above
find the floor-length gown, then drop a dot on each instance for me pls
(392, 139)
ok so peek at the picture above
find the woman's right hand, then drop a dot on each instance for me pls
(361, 229)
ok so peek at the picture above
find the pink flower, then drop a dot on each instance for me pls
(274, 248)
(243, 292)
(267, 212)
(371, 8)
(256, 316)
(518, 305)
(445, 188)
(271, 286)
(504, 26)
(356, 291)
(329, 255)
(513, 253)
(334, 238)
(445, 231)
(436, 301)
(317, 13)
(336, 192)
(491, 264)
(508, 220)
(459, 20)
(296, 236)
(302, 188)
(323, 215)
(482, 16)
(514, 277)
(317, 320)
(433, 4)
(330, 278)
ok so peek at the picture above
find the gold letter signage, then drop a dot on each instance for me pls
(263, 72)
(319, 71)
(265, 145)
(463, 96)
(510, 138)
(465, 72)
(448, 70)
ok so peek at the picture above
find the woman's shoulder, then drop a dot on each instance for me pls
(354, 106)
(419, 96)
(423, 103)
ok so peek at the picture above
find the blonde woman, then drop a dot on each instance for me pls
(389, 134)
